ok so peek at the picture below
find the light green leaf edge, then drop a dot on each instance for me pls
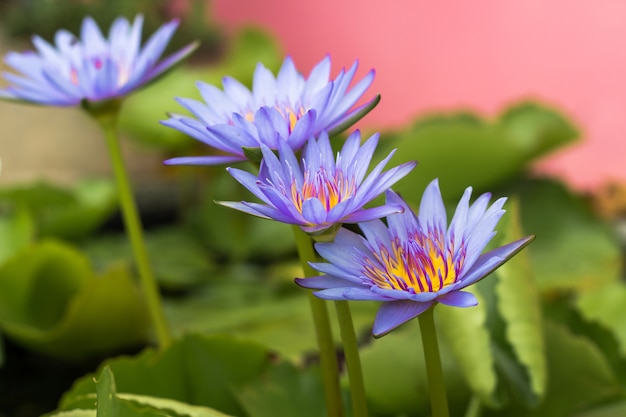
(465, 332)
(73, 336)
(518, 304)
(16, 231)
(617, 409)
(605, 306)
(73, 413)
(109, 403)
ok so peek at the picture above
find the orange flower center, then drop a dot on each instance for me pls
(329, 189)
(423, 264)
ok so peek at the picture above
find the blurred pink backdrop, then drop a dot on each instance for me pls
(480, 54)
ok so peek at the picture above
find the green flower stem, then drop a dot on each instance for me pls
(434, 372)
(321, 321)
(474, 408)
(134, 230)
(353, 361)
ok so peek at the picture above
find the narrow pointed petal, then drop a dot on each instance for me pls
(432, 212)
(490, 261)
(458, 299)
(349, 293)
(373, 213)
(322, 282)
(395, 313)
(203, 160)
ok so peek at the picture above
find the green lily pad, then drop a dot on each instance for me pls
(108, 402)
(51, 302)
(463, 149)
(17, 230)
(518, 304)
(198, 370)
(465, 331)
(605, 306)
(261, 306)
(179, 262)
(233, 234)
(65, 213)
(73, 413)
(580, 377)
(574, 250)
(395, 375)
(617, 409)
(284, 391)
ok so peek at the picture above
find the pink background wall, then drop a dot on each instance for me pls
(483, 54)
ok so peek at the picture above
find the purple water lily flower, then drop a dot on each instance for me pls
(287, 107)
(317, 192)
(90, 68)
(414, 261)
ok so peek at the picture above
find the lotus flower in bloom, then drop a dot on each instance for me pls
(317, 191)
(287, 107)
(414, 261)
(92, 68)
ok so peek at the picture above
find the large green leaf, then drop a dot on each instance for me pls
(109, 403)
(73, 413)
(284, 391)
(573, 249)
(605, 306)
(244, 302)
(65, 213)
(395, 375)
(518, 303)
(617, 409)
(233, 234)
(51, 302)
(196, 369)
(462, 149)
(17, 230)
(465, 331)
(179, 261)
(580, 377)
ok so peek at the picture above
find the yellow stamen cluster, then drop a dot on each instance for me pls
(423, 264)
(330, 189)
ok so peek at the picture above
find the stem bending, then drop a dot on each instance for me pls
(134, 230)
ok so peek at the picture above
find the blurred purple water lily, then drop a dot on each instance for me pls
(90, 68)
(414, 261)
(317, 192)
(287, 107)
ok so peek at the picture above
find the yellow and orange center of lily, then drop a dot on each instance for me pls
(329, 188)
(424, 264)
